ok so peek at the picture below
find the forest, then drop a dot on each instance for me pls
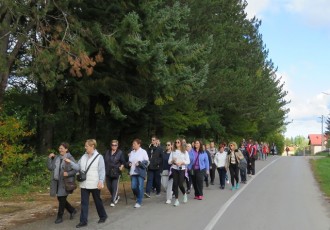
(80, 69)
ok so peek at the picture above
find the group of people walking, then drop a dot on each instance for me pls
(177, 168)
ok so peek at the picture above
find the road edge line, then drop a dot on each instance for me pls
(224, 207)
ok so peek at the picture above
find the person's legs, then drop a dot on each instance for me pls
(108, 183)
(169, 189)
(222, 176)
(68, 206)
(61, 207)
(200, 175)
(134, 185)
(164, 179)
(194, 182)
(114, 186)
(181, 180)
(232, 175)
(212, 173)
(96, 193)
(84, 193)
(253, 171)
(140, 189)
(150, 180)
(157, 179)
(188, 181)
(236, 173)
(175, 175)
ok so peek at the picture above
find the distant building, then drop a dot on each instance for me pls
(315, 142)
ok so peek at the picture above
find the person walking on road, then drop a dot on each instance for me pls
(199, 166)
(220, 163)
(212, 151)
(232, 163)
(60, 173)
(167, 182)
(154, 168)
(114, 164)
(94, 181)
(138, 162)
(179, 160)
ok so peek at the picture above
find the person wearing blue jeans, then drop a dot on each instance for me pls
(138, 162)
(137, 183)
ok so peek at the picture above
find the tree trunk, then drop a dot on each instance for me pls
(92, 119)
(45, 124)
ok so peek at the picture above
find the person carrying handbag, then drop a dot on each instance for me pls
(61, 172)
(95, 176)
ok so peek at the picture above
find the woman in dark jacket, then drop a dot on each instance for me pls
(61, 172)
(114, 163)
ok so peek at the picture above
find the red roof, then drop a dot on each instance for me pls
(316, 139)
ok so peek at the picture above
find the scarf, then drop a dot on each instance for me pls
(58, 163)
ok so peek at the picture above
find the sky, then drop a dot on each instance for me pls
(297, 35)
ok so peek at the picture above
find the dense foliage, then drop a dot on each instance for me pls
(71, 70)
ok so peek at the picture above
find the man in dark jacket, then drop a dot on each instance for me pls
(155, 166)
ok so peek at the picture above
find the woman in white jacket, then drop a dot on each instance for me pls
(179, 161)
(220, 162)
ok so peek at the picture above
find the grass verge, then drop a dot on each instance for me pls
(321, 169)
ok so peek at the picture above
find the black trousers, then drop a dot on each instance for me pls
(188, 180)
(112, 185)
(212, 172)
(96, 193)
(63, 204)
(234, 170)
(197, 180)
(222, 176)
(251, 165)
(178, 179)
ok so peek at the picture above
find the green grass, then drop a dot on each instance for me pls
(321, 168)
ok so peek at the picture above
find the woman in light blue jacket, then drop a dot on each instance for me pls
(199, 166)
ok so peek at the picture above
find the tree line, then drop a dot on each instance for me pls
(79, 69)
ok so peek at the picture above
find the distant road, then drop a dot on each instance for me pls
(283, 195)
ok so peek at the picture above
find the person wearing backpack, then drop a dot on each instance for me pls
(114, 164)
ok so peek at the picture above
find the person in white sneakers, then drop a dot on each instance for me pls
(179, 160)
(167, 182)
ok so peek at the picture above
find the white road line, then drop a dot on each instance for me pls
(224, 207)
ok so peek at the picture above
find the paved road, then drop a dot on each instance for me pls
(282, 195)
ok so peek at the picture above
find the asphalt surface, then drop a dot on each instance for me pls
(282, 195)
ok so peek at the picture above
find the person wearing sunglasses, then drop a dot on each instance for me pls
(166, 181)
(232, 163)
(114, 163)
(155, 167)
(179, 160)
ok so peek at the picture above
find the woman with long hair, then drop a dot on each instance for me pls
(199, 166)
(232, 163)
(179, 160)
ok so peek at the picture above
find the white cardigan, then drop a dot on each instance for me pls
(220, 159)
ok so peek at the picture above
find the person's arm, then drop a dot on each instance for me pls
(51, 162)
(122, 161)
(170, 159)
(186, 160)
(101, 169)
(74, 165)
